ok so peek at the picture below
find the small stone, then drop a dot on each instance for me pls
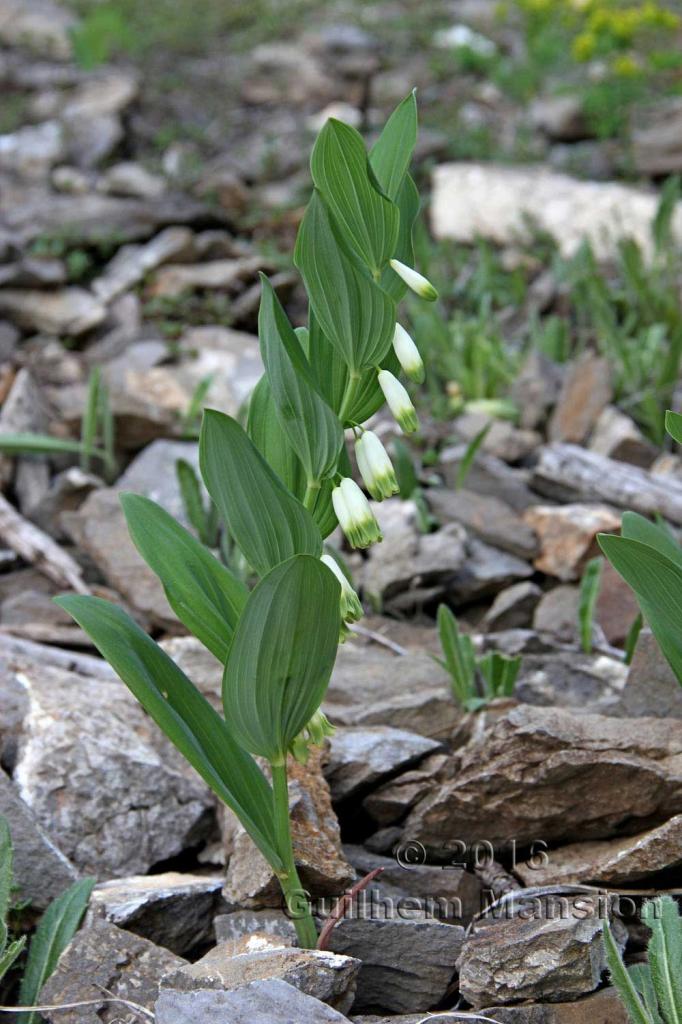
(592, 683)
(42, 26)
(320, 974)
(174, 280)
(171, 909)
(488, 475)
(392, 800)
(282, 69)
(557, 613)
(69, 311)
(585, 393)
(41, 871)
(513, 608)
(32, 150)
(485, 571)
(240, 924)
(108, 91)
(503, 440)
(568, 536)
(105, 959)
(361, 757)
(91, 139)
(616, 608)
(651, 688)
(656, 138)
(618, 437)
(603, 1007)
(132, 179)
(536, 389)
(271, 1001)
(132, 263)
(407, 965)
(488, 517)
(560, 118)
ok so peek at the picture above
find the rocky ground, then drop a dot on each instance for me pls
(506, 837)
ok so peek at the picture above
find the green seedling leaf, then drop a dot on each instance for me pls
(282, 656)
(202, 592)
(311, 426)
(458, 651)
(265, 519)
(405, 472)
(266, 433)
(192, 500)
(673, 425)
(665, 955)
(367, 220)
(391, 154)
(656, 535)
(469, 457)
(182, 713)
(90, 419)
(589, 591)
(622, 981)
(354, 313)
(632, 638)
(57, 927)
(44, 444)
(657, 583)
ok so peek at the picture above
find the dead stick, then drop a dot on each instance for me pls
(343, 904)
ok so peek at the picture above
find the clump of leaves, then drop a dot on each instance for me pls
(279, 488)
(475, 681)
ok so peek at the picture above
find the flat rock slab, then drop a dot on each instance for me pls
(101, 959)
(554, 774)
(262, 1002)
(568, 536)
(612, 861)
(651, 687)
(490, 518)
(171, 909)
(603, 1007)
(361, 757)
(471, 201)
(407, 966)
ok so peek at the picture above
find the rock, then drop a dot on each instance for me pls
(99, 528)
(583, 682)
(651, 687)
(407, 966)
(609, 862)
(618, 437)
(585, 393)
(472, 200)
(130, 179)
(281, 68)
(513, 781)
(174, 280)
(557, 613)
(486, 570)
(513, 608)
(33, 150)
(503, 440)
(616, 608)
(240, 924)
(91, 140)
(321, 865)
(66, 493)
(70, 311)
(132, 263)
(568, 472)
(407, 890)
(231, 357)
(41, 25)
(568, 536)
(322, 975)
(41, 871)
(488, 517)
(100, 776)
(23, 411)
(536, 389)
(560, 118)
(603, 1007)
(488, 475)
(105, 959)
(107, 91)
(171, 909)
(361, 757)
(656, 146)
(371, 686)
(391, 801)
(533, 955)
(262, 1002)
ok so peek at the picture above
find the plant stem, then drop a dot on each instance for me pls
(296, 900)
(349, 396)
(311, 492)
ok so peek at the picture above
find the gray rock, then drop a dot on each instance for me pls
(242, 923)
(41, 871)
(617, 436)
(485, 571)
(325, 976)
(407, 966)
(571, 679)
(70, 311)
(91, 139)
(488, 475)
(371, 686)
(42, 26)
(656, 145)
(585, 393)
(391, 801)
(361, 757)
(131, 179)
(262, 1002)
(561, 118)
(503, 440)
(173, 910)
(557, 613)
(568, 536)
(33, 150)
(513, 608)
(131, 263)
(540, 953)
(152, 473)
(625, 775)
(105, 959)
(96, 772)
(489, 518)
(603, 1007)
(651, 687)
(536, 388)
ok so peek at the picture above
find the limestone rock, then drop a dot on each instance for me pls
(513, 608)
(41, 25)
(586, 391)
(98, 774)
(391, 801)
(561, 118)
(70, 311)
(131, 179)
(536, 389)
(616, 608)
(602, 1007)
(171, 909)
(488, 475)
(361, 757)
(132, 263)
(557, 775)
(651, 687)
(104, 958)
(33, 150)
(567, 535)
(503, 440)
(485, 571)
(486, 516)
(617, 436)
(322, 975)
(656, 139)
(173, 280)
(265, 1002)
(557, 613)
(239, 924)
(588, 683)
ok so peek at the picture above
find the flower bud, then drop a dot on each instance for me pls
(399, 401)
(355, 517)
(351, 609)
(415, 281)
(408, 354)
(375, 466)
(313, 735)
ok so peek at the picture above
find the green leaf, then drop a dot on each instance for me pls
(407, 202)
(202, 592)
(643, 982)
(57, 927)
(673, 425)
(459, 656)
(192, 500)
(632, 638)
(90, 418)
(656, 535)
(266, 520)
(355, 314)
(10, 954)
(43, 444)
(665, 955)
(621, 980)
(470, 454)
(391, 154)
(6, 861)
(313, 430)
(282, 656)
(657, 583)
(369, 222)
(184, 715)
(589, 591)
(264, 430)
